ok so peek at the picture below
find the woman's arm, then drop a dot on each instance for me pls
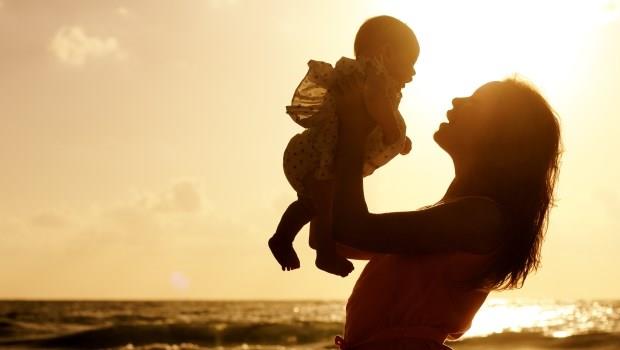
(344, 251)
(468, 224)
(352, 253)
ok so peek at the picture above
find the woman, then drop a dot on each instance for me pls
(432, 268)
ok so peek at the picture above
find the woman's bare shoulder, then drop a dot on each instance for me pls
(482, 218)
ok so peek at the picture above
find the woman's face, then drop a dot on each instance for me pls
(468, 121)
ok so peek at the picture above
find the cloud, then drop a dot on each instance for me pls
(176, 218)
(128, 221)
(182, 197)
(122, 11)
(72, 46)
(177, 209)
(10, 226)
(49, 220)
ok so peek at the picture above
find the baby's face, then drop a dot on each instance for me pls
(399, 63)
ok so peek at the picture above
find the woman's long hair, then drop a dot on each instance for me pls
(521, 157)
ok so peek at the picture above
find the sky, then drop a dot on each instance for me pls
(141, 141)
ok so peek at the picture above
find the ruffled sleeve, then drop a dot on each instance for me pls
(309, 97)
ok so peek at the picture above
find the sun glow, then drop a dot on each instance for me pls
(551, 318)
(466, 43)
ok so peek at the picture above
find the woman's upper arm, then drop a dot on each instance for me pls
(470, 224)
(352, 253)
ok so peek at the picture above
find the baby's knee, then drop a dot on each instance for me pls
(306, 204)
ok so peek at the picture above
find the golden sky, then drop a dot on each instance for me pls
(142, 141)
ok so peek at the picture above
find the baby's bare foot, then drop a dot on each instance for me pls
(330, 261)
(284, 253)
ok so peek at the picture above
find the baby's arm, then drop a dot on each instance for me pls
(381, 109)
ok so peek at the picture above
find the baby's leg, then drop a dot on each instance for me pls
(298, 213)
(327, 258)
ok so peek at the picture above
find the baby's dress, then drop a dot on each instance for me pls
(311, 153)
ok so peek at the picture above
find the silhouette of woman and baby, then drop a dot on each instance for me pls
(429, 270)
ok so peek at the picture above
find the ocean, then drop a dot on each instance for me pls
(285, 325)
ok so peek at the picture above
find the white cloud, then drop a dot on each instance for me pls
(72, 46)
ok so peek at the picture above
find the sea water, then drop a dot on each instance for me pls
(184, 325)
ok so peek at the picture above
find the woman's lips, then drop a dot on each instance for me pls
(449, 115)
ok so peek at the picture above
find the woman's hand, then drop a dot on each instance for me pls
(354, 120)
(406, 147)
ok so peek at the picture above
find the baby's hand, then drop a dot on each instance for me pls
(406, 147)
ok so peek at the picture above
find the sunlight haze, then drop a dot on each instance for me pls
(142, 140)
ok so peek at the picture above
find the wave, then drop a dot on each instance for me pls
(222, 334)
(539, 340)
(214, 334)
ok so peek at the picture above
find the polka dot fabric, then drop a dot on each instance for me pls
(311, 153)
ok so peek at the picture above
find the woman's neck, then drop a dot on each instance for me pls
(466, 182)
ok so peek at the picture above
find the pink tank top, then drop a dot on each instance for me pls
(400, 302)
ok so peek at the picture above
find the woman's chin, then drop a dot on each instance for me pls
(440, 136)
(441, 130)
(437, 136)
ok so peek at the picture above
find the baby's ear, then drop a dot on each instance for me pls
(388, 50)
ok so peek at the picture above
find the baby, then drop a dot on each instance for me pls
(385, 51)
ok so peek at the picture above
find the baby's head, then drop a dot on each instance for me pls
(393, 41)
